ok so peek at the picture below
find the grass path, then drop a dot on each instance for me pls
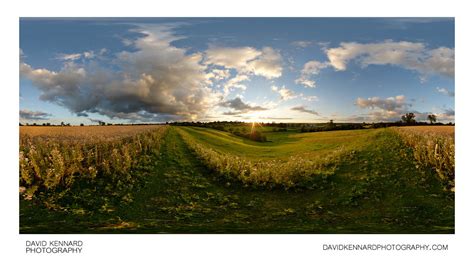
(377, 191)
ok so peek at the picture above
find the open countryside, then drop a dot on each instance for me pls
(184, 179)
(237, 125)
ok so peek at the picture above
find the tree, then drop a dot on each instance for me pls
(432, 118)
(409, 118)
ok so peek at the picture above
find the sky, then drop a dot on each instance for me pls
(149, 70)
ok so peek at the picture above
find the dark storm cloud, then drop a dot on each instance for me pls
(33, 115)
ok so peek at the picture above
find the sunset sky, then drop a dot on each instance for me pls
(132, 70)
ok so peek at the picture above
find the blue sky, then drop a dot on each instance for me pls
(124, 70)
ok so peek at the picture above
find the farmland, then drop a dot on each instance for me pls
(181, 179)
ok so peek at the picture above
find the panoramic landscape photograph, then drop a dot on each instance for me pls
(237, 125)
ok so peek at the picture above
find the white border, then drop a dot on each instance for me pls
(234, 246)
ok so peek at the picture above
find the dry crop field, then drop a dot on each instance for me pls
(433, 147)
(84, 133)
(448, 130)
(55, 160)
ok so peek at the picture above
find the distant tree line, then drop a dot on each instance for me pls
(407, 119)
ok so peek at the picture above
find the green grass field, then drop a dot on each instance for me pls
(375, 186)
(280, 144)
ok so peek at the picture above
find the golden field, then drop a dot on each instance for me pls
(436, 129)
(83, 133)
(54, 158)
(433, 147)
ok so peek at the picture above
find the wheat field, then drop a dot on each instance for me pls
(433, 147)
(53, 159)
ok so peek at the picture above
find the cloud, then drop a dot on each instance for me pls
(247, 60)
(268, 64)
(388, 104)
(301, 44)
(449, 112)
(155, 81)
(232, 113)
(235, 83)
(73, 56)
(274, 118)
(309, 69)
(446, 116)
(304, 110)
(310, 98)
(232, 58)
(77, 56)
(239, 107)
(285, 94)
(384, 109)
(409, 55)
(34, 115)
(445, 92)
(218, 74)
(392, 108)
(307, 83)
(305, 44)
(82, 114)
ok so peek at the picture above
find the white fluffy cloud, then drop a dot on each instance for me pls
(386, 109)
(155, 81)
(268, 64)
(232, 58)
(392, 108)
(77, 56)
(388, 104)
(285, 94)
(218, 74)
(310, 68)
(235, 83)
(72, 56)
(247, 60)
(408, 55)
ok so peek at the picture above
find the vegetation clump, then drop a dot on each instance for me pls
(433, 147)
(56, 166)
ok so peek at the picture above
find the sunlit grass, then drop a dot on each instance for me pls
(287, 164)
